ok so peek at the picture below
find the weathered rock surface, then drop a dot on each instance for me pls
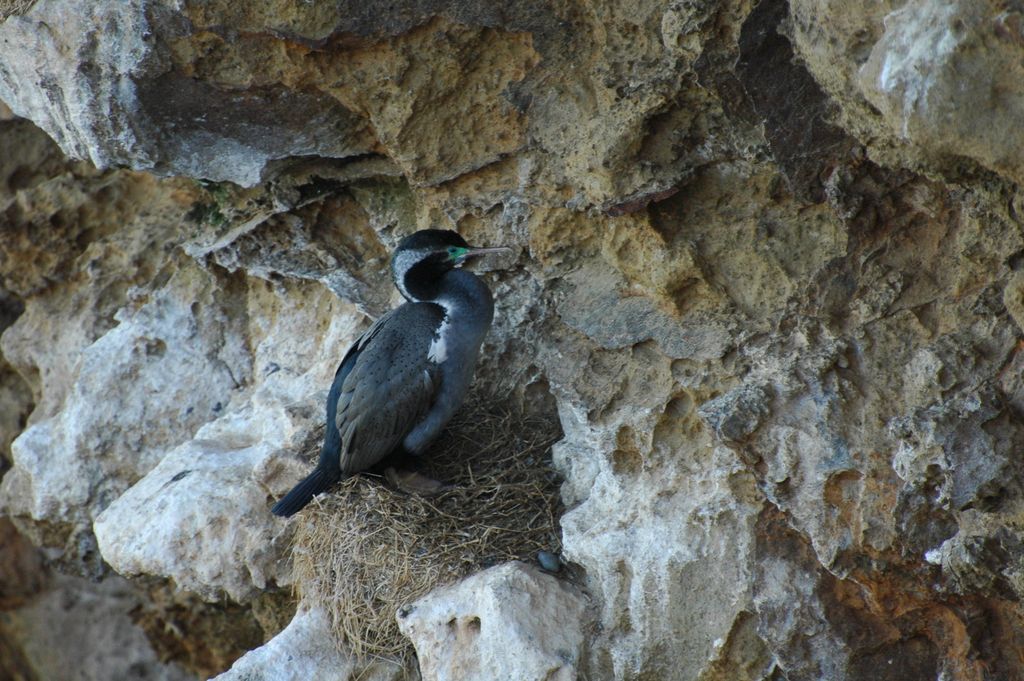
(200, 515)
(78, 629)
(767, 260)
(133, 107)
(305, 650)
(939, 84)
(508, 622)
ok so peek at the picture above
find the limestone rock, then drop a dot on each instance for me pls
(1013, 298)
(735, 416)
(89, 271)
(935, 64)
(785, 95)
(934, 83)
(901, 646)
(329, 240)
(508, 622)
(17, 404)
(304, 650)
(84, 629)
(103, 438)
(123, 109)
(201, 515)
(690, 532)
(199, 519)
(767, 270)
(215, 91)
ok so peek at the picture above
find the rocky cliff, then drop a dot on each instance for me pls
(768, 277)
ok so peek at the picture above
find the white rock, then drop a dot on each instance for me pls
(202, 515)
(943, 78)
(93, 119)
(305, 650)
(132, 398)
(511, 622)
(665, 543)
(200, 518)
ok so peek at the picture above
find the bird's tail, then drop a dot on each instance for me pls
(303, 493)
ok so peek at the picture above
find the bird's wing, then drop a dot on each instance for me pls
(348, 361)
(389, 386)
(329, 454)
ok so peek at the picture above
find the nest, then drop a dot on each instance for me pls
(366, 549)
(10, 8)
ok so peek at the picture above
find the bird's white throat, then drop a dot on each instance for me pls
(438, 351)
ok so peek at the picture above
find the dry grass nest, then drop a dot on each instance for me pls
(366, 548)
(9, 8)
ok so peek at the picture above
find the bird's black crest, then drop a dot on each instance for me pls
(431, 239)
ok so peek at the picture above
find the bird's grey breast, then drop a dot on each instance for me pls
(468, 314)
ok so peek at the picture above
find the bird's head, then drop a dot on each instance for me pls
(423, 257)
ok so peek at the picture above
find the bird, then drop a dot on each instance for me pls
(404, 378)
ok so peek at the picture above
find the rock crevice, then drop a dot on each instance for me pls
(766, 273)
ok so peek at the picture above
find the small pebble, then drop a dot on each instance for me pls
(549, 561)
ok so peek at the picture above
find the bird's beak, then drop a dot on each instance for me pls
(474, 252)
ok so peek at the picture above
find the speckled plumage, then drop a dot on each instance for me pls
(390, 387)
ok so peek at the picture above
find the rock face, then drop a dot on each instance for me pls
(215, 485)
(133, 107)
(510, 622)
(81, 630)
(922, 69)
(768, 264)
(305, 650)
